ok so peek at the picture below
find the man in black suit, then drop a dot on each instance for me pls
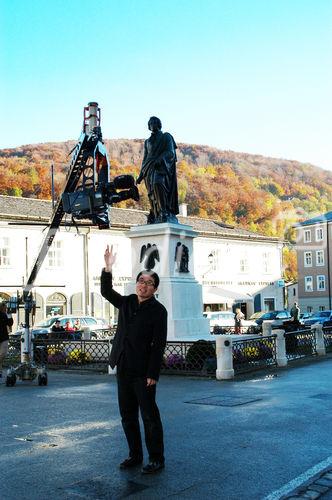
(137, 352)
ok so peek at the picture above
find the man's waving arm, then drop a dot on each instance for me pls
(106, 287)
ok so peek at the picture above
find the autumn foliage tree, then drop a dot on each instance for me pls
(261, 194)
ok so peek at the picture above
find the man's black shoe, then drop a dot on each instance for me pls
(130, 462)
(152, 467)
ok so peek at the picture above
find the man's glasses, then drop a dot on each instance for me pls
(142, 281)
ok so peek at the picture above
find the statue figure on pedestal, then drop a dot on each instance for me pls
(159, 174)
(182, 257)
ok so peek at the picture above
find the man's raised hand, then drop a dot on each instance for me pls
(109, 258)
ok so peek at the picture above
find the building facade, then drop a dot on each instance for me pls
(235, 267)
(313, 245)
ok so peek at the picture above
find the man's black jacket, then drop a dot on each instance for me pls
(141, 333)
(4, 323)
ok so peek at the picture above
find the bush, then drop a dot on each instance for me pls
(238, 357)
(199, 353)
(174, 361)
(265, 349)
(56, 356)
(78, 356)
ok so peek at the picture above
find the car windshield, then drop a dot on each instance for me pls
(257, 315)
(47, 323)
(268, 315)
(322, 314)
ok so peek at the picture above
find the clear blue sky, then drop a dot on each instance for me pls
(247, 75)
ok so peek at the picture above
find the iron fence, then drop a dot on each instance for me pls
(327, 333)
(64, 354)
(300, 344)
(183, 358)
(232, 330)
(190, 358)
(87, 354)
(14, 352)
(254, 354)
(105, 334)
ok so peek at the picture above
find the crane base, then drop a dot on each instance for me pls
(26, 372)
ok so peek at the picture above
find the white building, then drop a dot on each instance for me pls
(235, 266)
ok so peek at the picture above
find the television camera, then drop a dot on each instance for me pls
(90, 203)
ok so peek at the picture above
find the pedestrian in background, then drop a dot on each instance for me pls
(6, 322)
(295, 313)
(238, 317)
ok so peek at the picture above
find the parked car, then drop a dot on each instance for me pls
(44, 328)
(225, 319)
(321, 317)
(278, 317)
(103, 322)
(305, 316)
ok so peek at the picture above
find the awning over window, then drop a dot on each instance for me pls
(216, 295)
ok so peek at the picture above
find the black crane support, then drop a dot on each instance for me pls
(83, 151)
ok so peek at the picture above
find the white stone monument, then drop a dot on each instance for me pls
(170, 248)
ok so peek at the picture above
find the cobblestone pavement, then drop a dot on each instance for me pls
(319, 486)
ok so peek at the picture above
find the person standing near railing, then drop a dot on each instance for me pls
(137, 352)
(295, 313)
(6, 321)
(238, 317)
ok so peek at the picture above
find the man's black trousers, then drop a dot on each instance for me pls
(134, 395)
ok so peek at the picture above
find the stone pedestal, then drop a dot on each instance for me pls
(180, 293)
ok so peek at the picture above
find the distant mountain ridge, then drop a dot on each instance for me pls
(256, 192)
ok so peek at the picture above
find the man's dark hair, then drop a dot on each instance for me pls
(152, 274)
(158, 121)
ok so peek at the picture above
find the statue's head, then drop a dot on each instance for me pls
(154, 124)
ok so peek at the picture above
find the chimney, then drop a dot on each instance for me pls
(183, 209)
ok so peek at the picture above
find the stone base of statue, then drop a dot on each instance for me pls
(167, 249)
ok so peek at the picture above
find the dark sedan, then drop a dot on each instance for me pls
(321, 317)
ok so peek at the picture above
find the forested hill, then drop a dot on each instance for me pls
(259, 193)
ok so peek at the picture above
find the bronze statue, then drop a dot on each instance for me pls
(159, 173)
(149, 254)
(182, 257)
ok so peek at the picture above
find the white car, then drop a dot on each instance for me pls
(42, 330)
(225, 319)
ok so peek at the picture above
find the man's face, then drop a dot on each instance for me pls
(145, 287)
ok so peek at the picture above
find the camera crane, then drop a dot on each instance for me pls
(87, 195)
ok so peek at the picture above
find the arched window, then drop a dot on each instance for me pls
(4, 297)
(56, 304)
(40, 313)
(76, 303)
(96, 305)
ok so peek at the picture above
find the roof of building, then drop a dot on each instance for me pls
(34, 211)
(327, 217)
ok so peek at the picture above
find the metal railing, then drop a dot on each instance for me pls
(327, 333)
(87, 354)
(180, 357)
(190, 358)
(232, 330)
(300, 344)
(64, 354)
(254, 354)
(14, 352)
